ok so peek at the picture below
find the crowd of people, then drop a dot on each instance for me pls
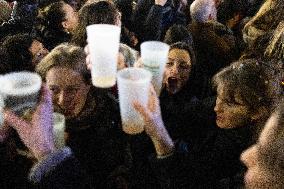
(217, 123)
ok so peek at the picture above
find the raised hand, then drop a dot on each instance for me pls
(154, 125)
(36, 134)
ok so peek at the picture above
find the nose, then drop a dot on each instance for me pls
(218, 106)
(62, 99)
(248, 156)
(174, 69)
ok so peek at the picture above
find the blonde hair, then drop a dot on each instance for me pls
(65, 55)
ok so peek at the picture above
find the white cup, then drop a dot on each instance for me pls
(20, 90)
(103, 40)
(58, 130)
(154, 55)
(133, 85)
(1, 111)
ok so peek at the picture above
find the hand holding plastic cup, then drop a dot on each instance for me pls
(154, 55)
(58, 130)
(133, 85)
(103, 41)
(20, 90)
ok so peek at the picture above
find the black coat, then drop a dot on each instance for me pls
(205, 163)
(185, 115)
(97, 140)
(150, 21)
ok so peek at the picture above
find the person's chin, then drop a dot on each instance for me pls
(221, 124)
(173, 90)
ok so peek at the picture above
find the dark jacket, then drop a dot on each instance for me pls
(150, 21)
(185, 115)
(14, 167)
(215, 48)
(97, 140)
(58, 171)
(205, 163)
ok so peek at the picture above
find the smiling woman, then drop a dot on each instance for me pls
(92, 117)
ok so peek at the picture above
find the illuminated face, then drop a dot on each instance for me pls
(230, 114)
(38, 52)
(69, 90)
(257, 177)
(177, 70)
(71, 18)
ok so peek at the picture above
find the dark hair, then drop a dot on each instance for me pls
(49, 25)
(228, 8)
(186, 47)
(16, 53)
(65, 55)
(102, 12)
(271, 155)
(178, 33)
(52, 16)
(256, 82)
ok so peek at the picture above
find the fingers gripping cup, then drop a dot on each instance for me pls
(133, 85)
(20, 90)
(103, 40)
(154, 55)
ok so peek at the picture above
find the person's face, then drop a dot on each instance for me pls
(69, 91)
(71, 18)
(177, 70)
(38, 52)
(257, 177)
(121, 61)
(230, 114)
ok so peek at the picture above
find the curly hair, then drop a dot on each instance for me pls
(17, 55)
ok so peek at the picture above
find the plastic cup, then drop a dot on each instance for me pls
(20, 90)
(103, 40)
(1, 111)
(58, 130)
(154, 55)
(133, 85)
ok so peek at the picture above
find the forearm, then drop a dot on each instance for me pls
(162, 141)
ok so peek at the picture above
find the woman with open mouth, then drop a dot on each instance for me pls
(178, 97)
(247, 92)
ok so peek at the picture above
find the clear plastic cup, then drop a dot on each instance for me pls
(154, 55)
(58, 130)
(20, 90)
(103, 41)
(133, 85)
(1, 111)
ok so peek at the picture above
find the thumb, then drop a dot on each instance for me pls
(142, 110)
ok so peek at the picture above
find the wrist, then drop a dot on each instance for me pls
(163, 143)
(43, 153)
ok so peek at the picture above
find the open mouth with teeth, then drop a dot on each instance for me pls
(172, 84)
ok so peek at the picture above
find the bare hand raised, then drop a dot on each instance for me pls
(36, 134)
(154, 125)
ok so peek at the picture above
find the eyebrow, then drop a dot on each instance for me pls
(181, 61)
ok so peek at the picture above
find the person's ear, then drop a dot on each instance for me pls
(65, 25)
